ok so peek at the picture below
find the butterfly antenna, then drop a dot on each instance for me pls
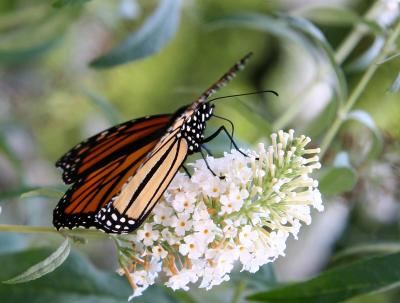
(245, 94)
(224, 80)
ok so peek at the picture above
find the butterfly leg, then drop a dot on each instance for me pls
(230, 122)
(208, 166)
(186, 171)
(222, 128)
(207, 150)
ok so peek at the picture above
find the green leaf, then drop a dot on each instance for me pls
(30, 52)
(106, 108)
(331, 15)
(367, 57)
(16, 192)
(33, 191)
(325, 119)
(274, 26)
(318, 37)
(48, 192)
(157, 30)
(368, 248)
(6, 149)
(255, 114)
(337, 16)
(75, 281)
(62, 3)
(339, 284)
(395, 87)
(337, 180)
(32, 31)
(294, 29)
(365, 118)
(44, 267)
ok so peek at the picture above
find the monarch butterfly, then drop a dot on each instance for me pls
(118, 175)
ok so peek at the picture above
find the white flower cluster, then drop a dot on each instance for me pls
(204, 224)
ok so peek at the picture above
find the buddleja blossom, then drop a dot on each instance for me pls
(205, 225)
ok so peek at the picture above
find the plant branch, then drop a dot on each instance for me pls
(342, 52)
(27, 229)
(351, 41)
(360, 87)
(48, 230)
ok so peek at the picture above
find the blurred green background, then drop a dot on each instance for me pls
(52, 96)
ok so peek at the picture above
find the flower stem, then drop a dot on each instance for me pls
(47, 230)
(358, 90)
(129, 278)
(240, 287)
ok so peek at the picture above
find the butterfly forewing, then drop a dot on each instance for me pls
(130, 208)
(99, 150)
(97, 184)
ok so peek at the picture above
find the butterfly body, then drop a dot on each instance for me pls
(192, 129)
(119, 174)
(188, 129)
